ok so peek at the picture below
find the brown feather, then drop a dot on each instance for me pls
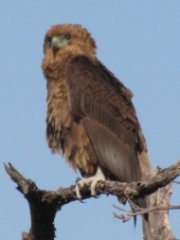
(104, 106)
(62, 132)
(90, 115)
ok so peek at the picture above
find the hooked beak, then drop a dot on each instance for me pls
(58, 42)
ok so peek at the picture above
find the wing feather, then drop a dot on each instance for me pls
(104, 106)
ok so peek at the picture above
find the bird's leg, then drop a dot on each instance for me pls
(99, 176)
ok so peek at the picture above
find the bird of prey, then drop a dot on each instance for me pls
(90, 118)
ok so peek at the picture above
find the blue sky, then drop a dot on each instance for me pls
(139, 42)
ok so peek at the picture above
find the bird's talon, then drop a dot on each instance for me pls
(78, 194)
(78, 180)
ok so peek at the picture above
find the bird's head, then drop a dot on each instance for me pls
(66, 39)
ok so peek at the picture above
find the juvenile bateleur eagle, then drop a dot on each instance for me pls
(90, 118)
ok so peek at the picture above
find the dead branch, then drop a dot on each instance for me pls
(45, 204)
(141, 211)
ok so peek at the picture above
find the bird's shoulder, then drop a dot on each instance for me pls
(96, 80)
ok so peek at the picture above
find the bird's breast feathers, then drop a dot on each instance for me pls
(65, 134)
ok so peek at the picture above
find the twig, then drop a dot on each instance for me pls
(177, 182)
(141, 211)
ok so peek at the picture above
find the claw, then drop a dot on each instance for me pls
(99, 176)
(77, 180)
(78, 194)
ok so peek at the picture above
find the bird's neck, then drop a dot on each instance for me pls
(54, 66)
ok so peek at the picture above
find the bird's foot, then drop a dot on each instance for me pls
(99, 176)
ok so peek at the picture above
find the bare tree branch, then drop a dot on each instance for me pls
(45, 204)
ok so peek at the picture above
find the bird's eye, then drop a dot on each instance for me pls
(48, 39)
(67, 36)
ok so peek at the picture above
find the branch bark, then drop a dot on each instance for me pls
(45, 204)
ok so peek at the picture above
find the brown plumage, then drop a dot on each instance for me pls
(90, 117)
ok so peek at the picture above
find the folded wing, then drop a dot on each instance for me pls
(103, 105)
